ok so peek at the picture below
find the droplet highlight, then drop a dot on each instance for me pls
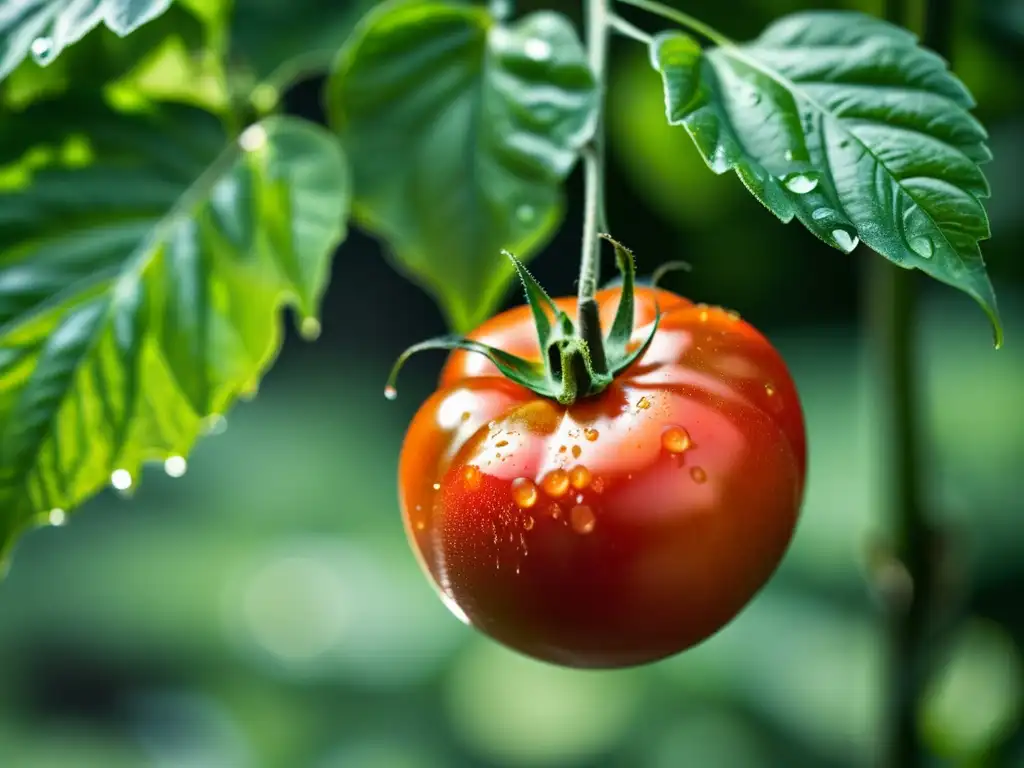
(922, 246)
(57, 517)
(675, 440)
(176, 466)
(800, 183)
(591, 434)
(121, 479)
(698, 475)
(253, 138)
(437, 486)
(42, 49)
(528, 523)
(555, 511)
(524, 492)
(769, 390)
(579, 477)
(576, 451)
(845, 240)
(537, 49)
(472, 477)
(582, 519)
(310, 329)
(555, 483)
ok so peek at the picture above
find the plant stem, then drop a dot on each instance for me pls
(892, 309)
(693, 24)
(598, 25)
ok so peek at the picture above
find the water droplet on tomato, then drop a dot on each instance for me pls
(57, 517)
(579, 477)
(769, 390)
(121, 479)
(555, 483)
(465, 416)
(420, 525)
(576, 451)
(698, 475)
(703, 316)
(524, 492)
(175, 466)
(562, 449)
(501, 443)
(732, 314)
(643, 403)
(582, 518)
(437, 486)
(555, 511)
(845, 240)
(800, 183)
(471, 477)
(922, 246)
(591, 434)
(597, 486)
(390, 392)
(528, 523)
(675, 440)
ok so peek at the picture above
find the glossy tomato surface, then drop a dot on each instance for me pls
(623, 528)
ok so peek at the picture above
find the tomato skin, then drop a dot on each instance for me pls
(693, 469)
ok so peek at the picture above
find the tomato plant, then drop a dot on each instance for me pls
(597, 482)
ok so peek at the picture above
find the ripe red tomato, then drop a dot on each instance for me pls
(625, 527)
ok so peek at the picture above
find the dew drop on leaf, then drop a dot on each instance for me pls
(57, 517)
(253, 138)
(215, 424)
(922, 246)
(845, 240)
(175, 466)
(42, 49)
(526, 213)
(800, 183)
(121, 479)
(310, 328)
(537, 49)
(788, 154)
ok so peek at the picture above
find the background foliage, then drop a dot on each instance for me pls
(264, 609)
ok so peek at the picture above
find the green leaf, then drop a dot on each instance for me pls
(460, 132)
(268, 34)
(842, 121)
(44, 28)
(139, 296)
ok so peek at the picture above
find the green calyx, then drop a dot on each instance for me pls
(569, 370)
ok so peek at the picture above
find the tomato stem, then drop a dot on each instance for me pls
(589, 326)
(891, 309)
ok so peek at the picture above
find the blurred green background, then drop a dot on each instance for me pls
(265, 610)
